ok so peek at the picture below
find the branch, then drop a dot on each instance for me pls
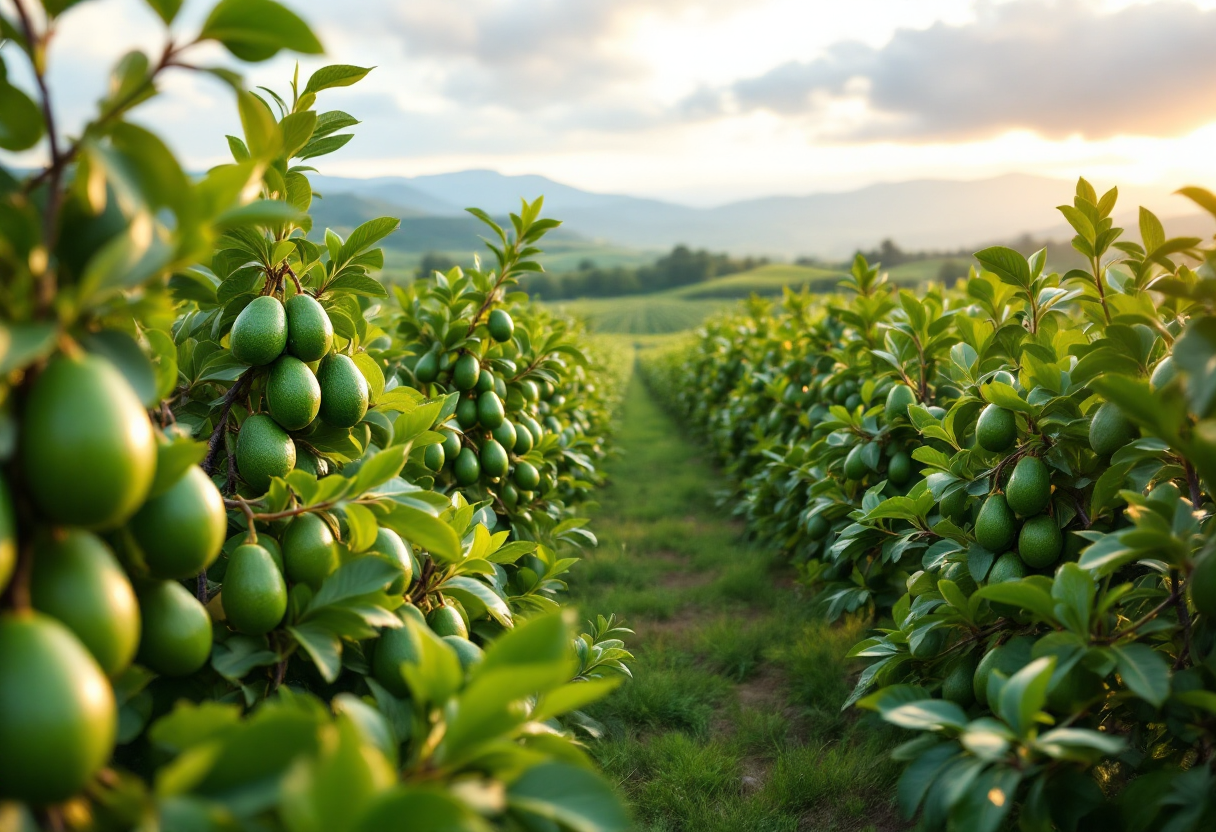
(217, 435)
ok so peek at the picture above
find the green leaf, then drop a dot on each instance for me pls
(574, 696)
(1002, 395)
(424, 530)
(413, 809)
(1145, 672)
(475, 596)
(297, 129)
(573, 797)
(121, 350)
(367, 235)
(167, 9)
(379, 469)
(322, 646)
(255, 30)
(1025, 694)
(362, 525)
(21, 124)
(927, 715)
(23, 344)
(336, 75)
(173, 460)
(1025, 593)
(1007, 264)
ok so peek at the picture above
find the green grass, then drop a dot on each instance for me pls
(764, 280)
(641, 314)
(733, 719)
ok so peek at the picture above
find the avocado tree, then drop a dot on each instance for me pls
(1016, 479)
(240, 589)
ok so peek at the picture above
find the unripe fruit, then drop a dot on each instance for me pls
(501, 325)
(451, 446)
(263, 450)
(310, 333)
(89, 453)
(1008, 567)
(344, 393)
(259, 333)
(928, 645)
(433, 457)
(466, 372)
(854, 466)
(490, 412)
(485, 381)
(493, 458)
(817, 527)
(523, 439)
(427, 368)
(1110, 430)
(997, 429)
(467, 467)
(1029, 488)
(466, 412)
(899, 468)
(466, 651)
(396, 551)
(447, 621)
(898, 399)
(954, 506)
(996, 526)
(8, 536)
(504, 434)
(394, 648)
(957, 686)
(530, 390)
(175, 639)
(310, 554)
(254, 596)
(58, 718)
(293, 393)
(182, 530)
(509, 494)
(526, 476)
(1040, 541)
(76, 580)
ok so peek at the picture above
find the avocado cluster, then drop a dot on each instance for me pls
(303, 380)
(88, 458)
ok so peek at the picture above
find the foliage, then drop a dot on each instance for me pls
(382, 644)
(1062, 678)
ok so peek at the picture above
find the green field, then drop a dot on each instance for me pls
(641, 314)
(765, 280)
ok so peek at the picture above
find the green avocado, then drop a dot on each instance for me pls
(957, 686)
(954, 506)
(254, 596)
(526, 476)
(485, 381)
(523, 439)
(263, 450)
(447, 621)
(293, 394)
(504, 434)
(58, 717)
(344, 391)
(1202, 584)
(501, 325)
(899, 467)
(395, 647)
(898, 399)
(88, 449)
(310, 554)
(467, 652)
(8, 536)
(1009, 658)
(467, 467)
(817, 527)
(1029, 487)
(1163, 373)
(466, 372)
(1008, 567)
(853, 402)
(1040, 541)
(493, 458)
(175, 639)
(490, 412)
(427, 368)
(530, 390)
(182, 530)
(451, 445)
(996, 527)
(433, 457)
(1110, 430)
(855, 467)
(259, 333)
(466, 412)
(396, 551)
(77, 580)
(997, 429)
(509, 495)
(929, 645)
(310, 333)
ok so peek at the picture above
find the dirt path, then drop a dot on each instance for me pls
(733, 719)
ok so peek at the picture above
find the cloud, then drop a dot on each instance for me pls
(1058, 68)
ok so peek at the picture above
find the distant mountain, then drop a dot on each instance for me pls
(918, 215)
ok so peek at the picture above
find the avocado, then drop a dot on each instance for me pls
(393, 549)
(58, 717)
(466, 372)
(852, 402)
(928, 645)
(530, 390)
(485, 381)
(182, 530)
(263, 450)
(433, 457)
(254, 596)
(451, 445)
(310, 333)
(466, 651)
(1110, 430)
(76, 580)
(490, 412)
(898, 399)
(88, 449)
(523, 439)
(899, 468)
(395, 647)
(1029, 487)
(259, 333)
(494, 461)
(1008, 567)
(509, 495)
(954, 506)
(817, 527)
(997, 429)
(501, 325)
(526, 476)
(310, 554)
(293, 394)
(1009, 658)
(427, 368)
(854, 466)
(1040, 541)
(996, 527)
(447, 621)
(175, 639)
(467, 467)
(504, 434)
(957, 686)
(344, 391)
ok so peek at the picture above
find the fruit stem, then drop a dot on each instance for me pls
(252, 535)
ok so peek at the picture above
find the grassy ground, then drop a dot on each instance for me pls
(733, 719)
(641, 314)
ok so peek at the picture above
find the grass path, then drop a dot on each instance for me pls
(733, 719)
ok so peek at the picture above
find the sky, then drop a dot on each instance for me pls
(709, 101)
